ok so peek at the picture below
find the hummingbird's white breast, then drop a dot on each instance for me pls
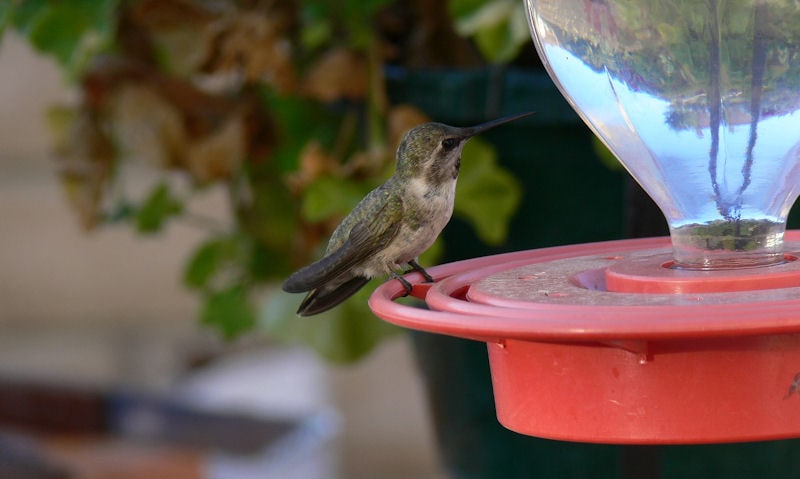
(429, 208)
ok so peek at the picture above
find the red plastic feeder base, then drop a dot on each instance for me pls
(601, 343)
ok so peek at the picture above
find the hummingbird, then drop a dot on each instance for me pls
(395, 222)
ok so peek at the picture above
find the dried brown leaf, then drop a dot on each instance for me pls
(148, 127)
(256, 46)
(218, 155)
(85, 155)
(402, 118)
(314, 162)
(340, 73)
(171, 13)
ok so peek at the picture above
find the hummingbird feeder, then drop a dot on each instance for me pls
(682, 340)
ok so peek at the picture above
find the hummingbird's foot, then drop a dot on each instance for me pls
(419, 269)
(404, 281)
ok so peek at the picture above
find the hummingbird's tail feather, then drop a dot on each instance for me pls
(320, 272)
(308, 277)
(324, 298)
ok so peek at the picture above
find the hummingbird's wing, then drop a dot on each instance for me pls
(366, 238)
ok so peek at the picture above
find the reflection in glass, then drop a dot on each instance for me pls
(700, 99)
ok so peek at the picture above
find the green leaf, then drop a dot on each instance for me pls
(156, 209)
(357, 15)
(120, 212)
(607, 158)
(207, 260)
(6, 14)
(229, 310)
(498, 26)
(71, 31)
(487, 195)
(271, 218)
(502, 42)
(25, 13)
(268, 263)
(352, 20)
(233, 259)
(486, 15)
(329, 196)
(462, 8)
(343, 334)
(301, 120)
(316, 33)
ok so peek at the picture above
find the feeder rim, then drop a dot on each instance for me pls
(572, 323)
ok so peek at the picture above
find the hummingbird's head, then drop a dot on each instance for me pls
(433, 150)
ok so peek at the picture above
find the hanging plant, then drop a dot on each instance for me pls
(279, 103)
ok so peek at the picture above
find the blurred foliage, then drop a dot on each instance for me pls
(280, 104)
(72, 32)
(499, 27)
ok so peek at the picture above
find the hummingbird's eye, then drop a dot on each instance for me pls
(449, 143)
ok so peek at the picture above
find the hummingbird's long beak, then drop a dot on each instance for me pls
(471, 131)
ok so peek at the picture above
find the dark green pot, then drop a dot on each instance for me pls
(569, 197)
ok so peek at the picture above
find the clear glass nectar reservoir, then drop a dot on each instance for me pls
(700, 100)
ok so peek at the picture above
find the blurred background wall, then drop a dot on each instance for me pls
(107, 309)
